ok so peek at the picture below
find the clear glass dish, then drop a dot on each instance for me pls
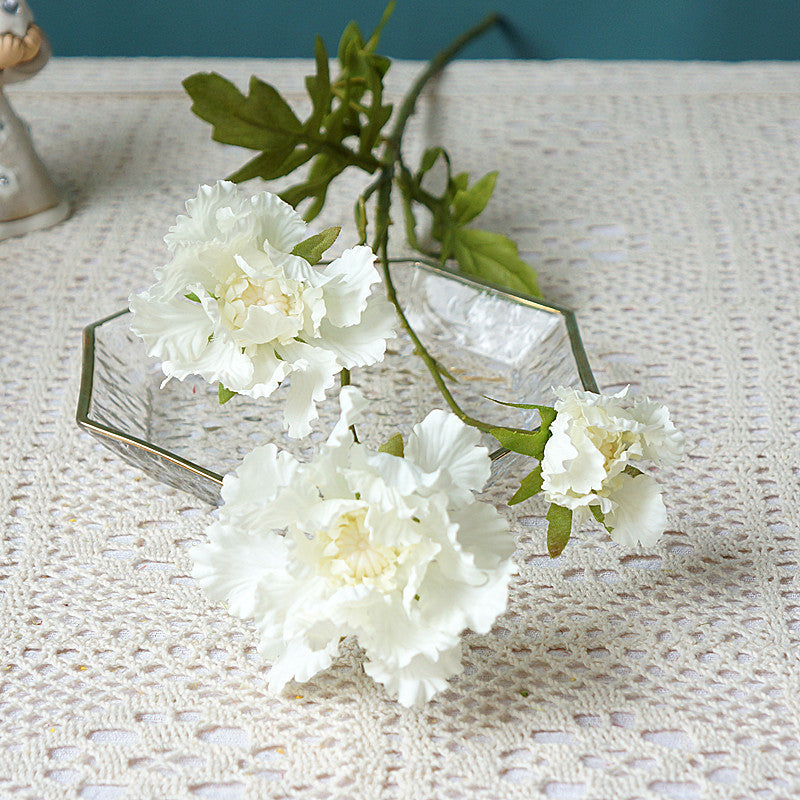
(496, 343)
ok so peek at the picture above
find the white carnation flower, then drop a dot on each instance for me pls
(590, 457)
(235, 306)
(393, 550)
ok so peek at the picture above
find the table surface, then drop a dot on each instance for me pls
(662, 202)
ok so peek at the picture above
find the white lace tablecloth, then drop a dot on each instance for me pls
(662, 202)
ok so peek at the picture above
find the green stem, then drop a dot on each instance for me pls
(383, 184)
(430, 361)
(436, 65)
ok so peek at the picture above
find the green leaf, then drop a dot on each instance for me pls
(319, 87)
(262, 121)
(541, 409)
(459, 182)
(372, 42)
(558, 529)
(323, 170)
(193, 297)
(224, 394)
(275, 112)
(531, 485)
(311, 249)
(494, 258)
(468, 203)
(442, 370)
(529, 443)
(526, 442)
(360, 212)
(394, 446)
(599, 516)
(429, 158)
(273, 163)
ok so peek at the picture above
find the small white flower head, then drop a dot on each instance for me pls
(393, 550)
(235, 306)
(590, 460)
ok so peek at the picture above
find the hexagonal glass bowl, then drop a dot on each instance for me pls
(494, 343)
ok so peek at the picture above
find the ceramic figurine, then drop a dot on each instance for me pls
(28, 198)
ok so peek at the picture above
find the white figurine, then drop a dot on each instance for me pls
(28, 197)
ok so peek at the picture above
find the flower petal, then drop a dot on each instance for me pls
(363, 342)
(313, 371)
(420, 679)
(442, 441)
(348, 285)
(201, 224)
(278, 223)
(638, 514)
(229, 566)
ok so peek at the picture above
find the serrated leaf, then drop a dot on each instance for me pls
(394, 446)
(262, 121)
(531, 484)
(323, 170)
(558, 529)
(272, 108)
(224, 394)
(311, 249)
(468, 203)
(273, 164)
(319, 87)
(494, 258)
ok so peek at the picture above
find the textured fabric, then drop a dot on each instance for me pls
(663, 203)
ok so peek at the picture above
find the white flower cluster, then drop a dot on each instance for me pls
(393, 550)
(235, 306)
(590, 457)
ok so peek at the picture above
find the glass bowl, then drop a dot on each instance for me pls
(495, 343)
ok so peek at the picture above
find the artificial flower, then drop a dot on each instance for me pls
(591, 457)
(394, 550)
(235, 306)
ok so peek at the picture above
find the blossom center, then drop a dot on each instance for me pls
(351, 556)
(240, 292)
(611, 444)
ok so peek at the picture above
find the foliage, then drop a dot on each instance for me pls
(346, 127)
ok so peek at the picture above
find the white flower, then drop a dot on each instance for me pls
(590, 456)
(393, 550)
(235, 306)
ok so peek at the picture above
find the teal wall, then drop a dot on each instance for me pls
(731, 30)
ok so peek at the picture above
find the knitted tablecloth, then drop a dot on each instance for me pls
(662, 202)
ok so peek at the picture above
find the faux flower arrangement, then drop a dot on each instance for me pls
(389, 545)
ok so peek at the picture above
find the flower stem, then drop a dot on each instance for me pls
(436, 65)
(422, 352)
(391, 157)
